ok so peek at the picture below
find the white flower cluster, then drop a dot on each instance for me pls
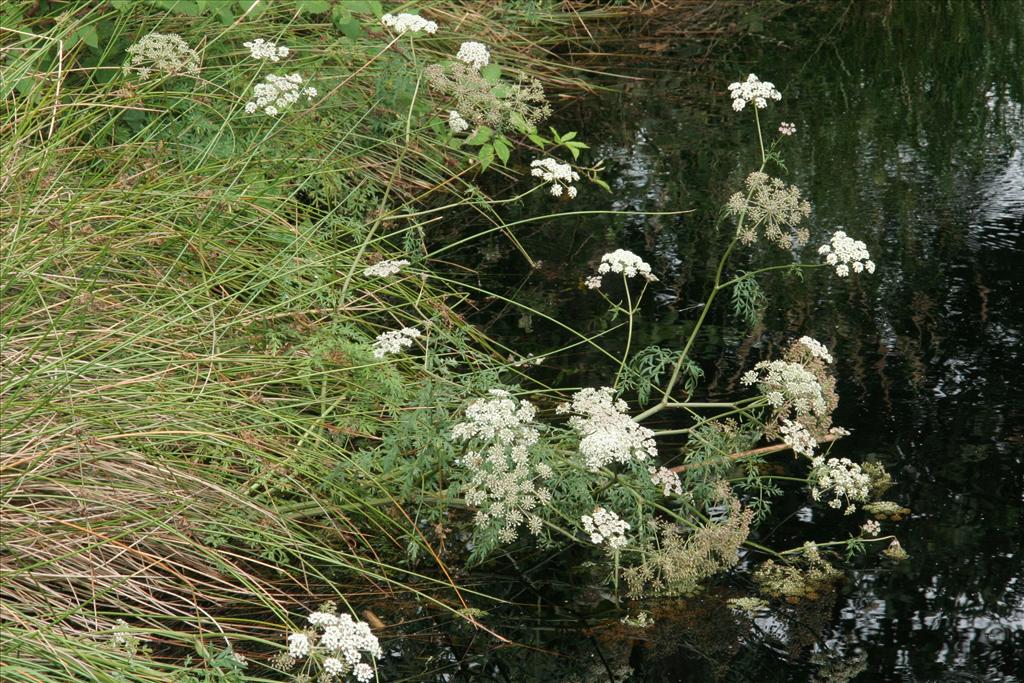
(408, 23)
(667, 479)
(846, 254)
(604, 526)
(798, 438)
(394, 341)
(500, 419)
(264, 49)
(385, 268)
(503, 483)
(753, 90)
(607, 432)
(787, 128)
(843, 478)
(621, 261)
(871, 528)
(278, 93)
(475, 54)
(777, 208)
(817, 349)
(561, 176)
(338, 641)
(165, 52)
(792, 381)
(457, 123)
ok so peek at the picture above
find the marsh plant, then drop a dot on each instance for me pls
(668, 520)
(238, 379)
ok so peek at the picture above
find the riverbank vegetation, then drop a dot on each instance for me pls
(249, 429)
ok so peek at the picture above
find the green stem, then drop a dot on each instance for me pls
(629, 332)
(760, 140)
(793, 551)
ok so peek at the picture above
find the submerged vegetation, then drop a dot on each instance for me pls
(249, 431)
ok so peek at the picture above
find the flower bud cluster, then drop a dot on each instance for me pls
(771, 203)
(605, 527)
(846, 254)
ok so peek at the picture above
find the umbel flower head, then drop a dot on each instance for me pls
(605, 527)
(457, 123)
(336, 642)
(607, 433)
(475, 100)
(842, 479)
(621, 261)
(504, 479)
(264, 49)
(394, 341)
(165, 52)
(277, 93)
(473, 53)
(770, 203)
(846, 254)
(753, 90)
(561, 176)
(386, 268)
(408, 23)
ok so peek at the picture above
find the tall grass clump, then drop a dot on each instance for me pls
(240, 396)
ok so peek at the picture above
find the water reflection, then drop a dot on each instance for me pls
(910, 123)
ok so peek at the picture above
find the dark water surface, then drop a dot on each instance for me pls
(910, 128)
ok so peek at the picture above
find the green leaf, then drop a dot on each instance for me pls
(568, 136)
(340, 15)
(574, 148)
(351, 28)
(521, 124)
(313, 6)
(189, 7)
(361, 7)
(486, 156)
(502, 149)
(225, 13)
(122, 5)
(482, 135)
(602, 184)
(88, 34)
(538, 140)
(491, 73)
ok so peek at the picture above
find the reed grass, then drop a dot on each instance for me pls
(187, 393)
